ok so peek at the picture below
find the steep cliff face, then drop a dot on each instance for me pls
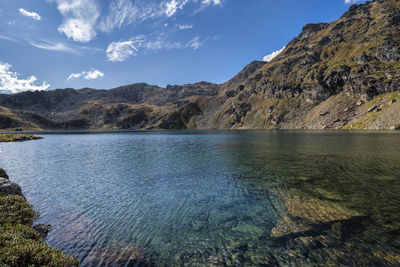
(343, 74)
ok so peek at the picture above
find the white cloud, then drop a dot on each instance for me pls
(93, 74)
(11, 84)
(215, 2)
(271, 56)
(351, 1)
(125, 12)
(80, 18)
(32, 15)
(195, 43)
(172, 7)
(59, 47)
(120, 51)
(8, 38)
(184, 27)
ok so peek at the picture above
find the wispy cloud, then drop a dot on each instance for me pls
(59, 47)
(10, 83)
(271, 56)
(121, 51)
(125, 12)
(93, 74)
(80, 18)
(29, 14)
(184, 27)
(8, 38)
(351, 1)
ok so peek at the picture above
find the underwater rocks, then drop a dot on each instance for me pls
(118, 255)
(302, 213)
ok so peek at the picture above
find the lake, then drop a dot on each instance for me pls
(224, 198)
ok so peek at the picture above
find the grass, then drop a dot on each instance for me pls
(11, 137)
(370, 117)
(20, 245)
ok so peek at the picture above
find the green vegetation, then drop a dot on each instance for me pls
(10, 137)
(20, 244)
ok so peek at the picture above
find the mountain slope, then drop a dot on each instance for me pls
(343, 74)
(354, 58)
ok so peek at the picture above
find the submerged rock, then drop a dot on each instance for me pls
(9, 188)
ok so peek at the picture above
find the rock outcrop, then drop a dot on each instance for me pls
(7, 187)
(3, 174)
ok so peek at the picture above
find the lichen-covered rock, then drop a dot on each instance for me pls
(9, 188)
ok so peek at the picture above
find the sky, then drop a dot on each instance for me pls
(49, 44)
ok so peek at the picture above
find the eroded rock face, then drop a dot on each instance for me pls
(9, 188)
(3, 174)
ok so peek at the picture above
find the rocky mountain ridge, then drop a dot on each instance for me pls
(343, 74)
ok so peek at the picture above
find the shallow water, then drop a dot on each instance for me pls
(215, 197)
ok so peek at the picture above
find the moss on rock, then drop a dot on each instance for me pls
(20, 244)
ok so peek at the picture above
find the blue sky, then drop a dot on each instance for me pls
(48, 44)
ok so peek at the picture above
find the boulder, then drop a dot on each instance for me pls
(9, 188)
(3, 174)
(372, 108)
(42, 229)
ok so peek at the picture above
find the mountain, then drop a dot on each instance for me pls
(343, 74)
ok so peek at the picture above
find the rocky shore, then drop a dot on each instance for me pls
(21, 242)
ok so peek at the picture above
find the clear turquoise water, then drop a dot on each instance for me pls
(206, 197)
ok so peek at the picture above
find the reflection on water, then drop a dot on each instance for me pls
(219, 198)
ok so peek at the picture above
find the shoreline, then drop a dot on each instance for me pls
(13, 137)
(22, 242)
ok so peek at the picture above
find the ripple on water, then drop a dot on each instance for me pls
(218, 198)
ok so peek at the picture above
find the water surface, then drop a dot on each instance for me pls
(212, 197)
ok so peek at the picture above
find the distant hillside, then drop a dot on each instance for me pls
(344, 74)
